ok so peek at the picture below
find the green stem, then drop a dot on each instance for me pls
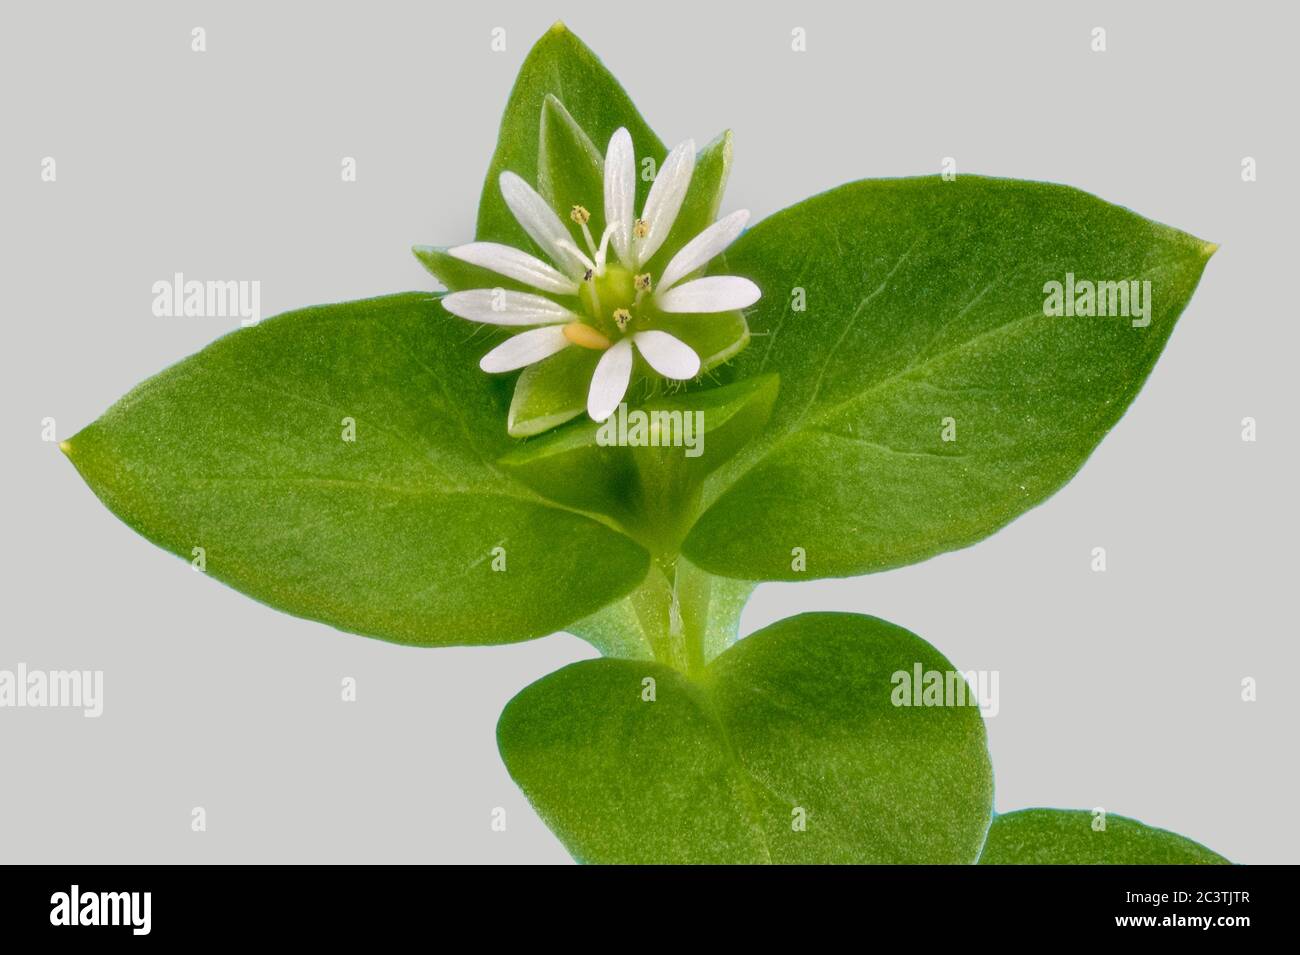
(704, 614)
(682, 615)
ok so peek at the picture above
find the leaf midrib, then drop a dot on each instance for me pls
(701, 691)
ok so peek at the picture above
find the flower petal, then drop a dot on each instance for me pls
(515, 264)
(526, 348)
(715, 293)
(703, 248)
(497, 306)
(610, 380)
(669, 356)
(540, 222)
(620, 192)
(665, 199)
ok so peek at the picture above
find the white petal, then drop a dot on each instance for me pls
(669, 356)
(526, 348)
(540, 222)
(665, 199)
(609, 381)
(514, 264)
(601, 253)
(620, 191)
(578, 255)
(704, 247)
(715, 293)
(496, 306)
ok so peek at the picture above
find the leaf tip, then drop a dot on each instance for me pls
(66, 448)
(1209, 248)
(558, 28)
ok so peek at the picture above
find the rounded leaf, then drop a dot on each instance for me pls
(788, 748)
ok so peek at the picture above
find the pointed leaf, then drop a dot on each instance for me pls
(927, 399)
(336, 463)
(562, 66)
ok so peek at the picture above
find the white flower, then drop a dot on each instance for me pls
(618, 304)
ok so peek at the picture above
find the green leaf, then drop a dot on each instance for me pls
(239, 450)
(925, 309)
(559, 65)
(650, 488)
(793, 722)
(1067, 837)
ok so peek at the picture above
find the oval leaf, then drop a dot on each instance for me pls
(336, 463)
(926, 397)
(787, 748)
(1068, 837)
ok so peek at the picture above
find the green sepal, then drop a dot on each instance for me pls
(570, 170)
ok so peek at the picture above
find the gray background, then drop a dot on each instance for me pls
(1118, 690)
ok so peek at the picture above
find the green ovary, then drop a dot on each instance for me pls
(605, 294)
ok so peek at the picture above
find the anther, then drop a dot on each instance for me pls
(621, 317)
(641, 228)
(642, 282)
(580, 215)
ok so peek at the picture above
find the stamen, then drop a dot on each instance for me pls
(621, 317)
(641, 228)
(584, 336)
(642, 282)
(580, 215)
(590, 276)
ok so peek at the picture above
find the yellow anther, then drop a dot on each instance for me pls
(584, 336)
(580, 215)
(621, 317)
(641, 229)
(642, 282)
